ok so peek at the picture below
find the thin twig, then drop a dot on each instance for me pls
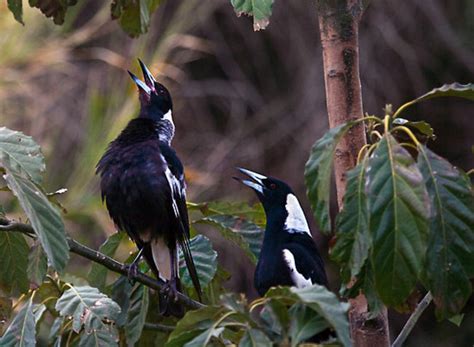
(420, 308)
(158, 327)
(100, 258)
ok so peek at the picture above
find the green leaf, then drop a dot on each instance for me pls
(326, 304)
(43, 216)
(304, 323)
(457, 319)
(134, 15)
(450, 256)
(24, 152)
(37, 264)
(243, 233)
(22, 330)
(353, 239)
(121, 295)
(255, 338)
(13, 262)
(136, 314)
(420, 127)
(455, 89)
(205, 260)
(16, 7)
(105, 337)
(318, 172)
(203, 338)
(253, 213)
(192, 324)
(87, 307)
(274, 316)
(261, 10)
(98, 274)
(53, 8)
(399, 209)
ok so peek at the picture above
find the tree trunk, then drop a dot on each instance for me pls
(339, 29)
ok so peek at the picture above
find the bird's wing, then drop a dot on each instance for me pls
(304, 261)
(175, 177)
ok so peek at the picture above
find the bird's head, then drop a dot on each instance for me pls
(270, 191)
(155, 99)
(278, 200)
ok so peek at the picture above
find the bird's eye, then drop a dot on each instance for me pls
(272, 186)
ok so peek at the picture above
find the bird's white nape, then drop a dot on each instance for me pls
(298, 279)
(295, 221)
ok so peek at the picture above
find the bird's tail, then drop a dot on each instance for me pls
(186, 249)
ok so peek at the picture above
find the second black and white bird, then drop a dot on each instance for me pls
(289, 255)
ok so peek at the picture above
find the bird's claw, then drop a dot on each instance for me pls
(132, 272)
(169, 291)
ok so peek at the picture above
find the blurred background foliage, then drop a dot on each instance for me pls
(241, 98)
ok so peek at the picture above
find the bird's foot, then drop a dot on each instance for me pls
(132, 272)
(169, 291)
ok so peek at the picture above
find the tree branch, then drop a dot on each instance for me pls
(100, 258)
(408, 327)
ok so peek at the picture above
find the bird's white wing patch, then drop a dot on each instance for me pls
(176, 188)
(298, 279)
(296, 221)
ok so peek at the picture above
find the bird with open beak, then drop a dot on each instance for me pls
(142, 184)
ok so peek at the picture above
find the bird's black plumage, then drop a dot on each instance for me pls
(289, 255)
(142, 183)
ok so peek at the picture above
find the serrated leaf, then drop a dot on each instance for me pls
(87, 307)
(205, 260)
(255, 338)
(121, 291)
(105, 337)
(16, 7)
(352, 226)
(13, 262)
(318, 172)
(261, 10)
(37, 264)
(243, 233)
(450, 256)
(327, 305)
(24, 152)
(22, 330)
(399, 211)
(44, 217)
(98, 274)
(465, 91)
(136, 314)
(53, 8)
(304, 323)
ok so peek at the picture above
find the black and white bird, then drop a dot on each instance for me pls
(289, 255)
(142, 183)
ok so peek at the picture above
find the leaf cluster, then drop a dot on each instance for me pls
(407, 216)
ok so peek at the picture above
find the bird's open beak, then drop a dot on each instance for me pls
(256, 184)
(147, 75)
(149, 85)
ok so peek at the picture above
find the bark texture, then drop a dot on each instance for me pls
(339, 24)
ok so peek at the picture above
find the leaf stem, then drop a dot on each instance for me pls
(408, 132)
(409, 325)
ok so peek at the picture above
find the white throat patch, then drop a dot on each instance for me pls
(296, 221)
(168, 116)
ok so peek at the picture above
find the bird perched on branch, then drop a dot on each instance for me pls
(142, 183)
(289, 255)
